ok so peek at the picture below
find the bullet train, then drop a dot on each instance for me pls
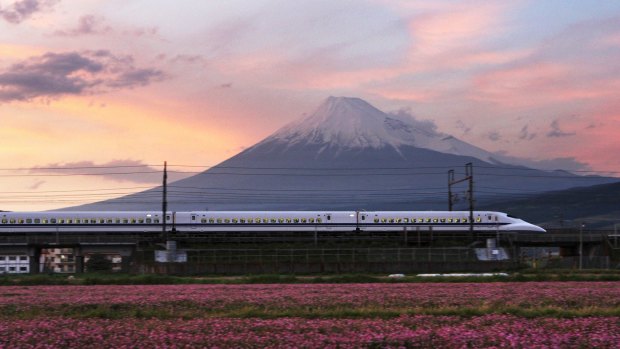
(259, 221)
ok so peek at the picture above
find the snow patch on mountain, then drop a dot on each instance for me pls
(352, 123)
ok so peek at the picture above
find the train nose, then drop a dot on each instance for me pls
(523, 226)
(536, 228)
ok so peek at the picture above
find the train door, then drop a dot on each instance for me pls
(194, 221)
(327, 221)
(361, 220)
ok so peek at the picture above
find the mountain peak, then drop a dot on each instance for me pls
(342, 123)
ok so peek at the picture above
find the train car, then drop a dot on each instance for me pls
(443, 221)
(259, 221)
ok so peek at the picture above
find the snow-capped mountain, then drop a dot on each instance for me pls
(348, 154)
(352, 123)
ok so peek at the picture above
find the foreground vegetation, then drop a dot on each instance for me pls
(153, 279)
(344, 315)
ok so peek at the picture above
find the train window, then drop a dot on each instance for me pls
(383, 220)
(443, 220)
(141, 220)
(319, 220)
(311, 220)
(296, 220)
(125, 220)
(69, 221)
(44, 221)
(464, 220)
(5, 221)
(398, 220)
(203, 220)
(101, 220)
(288, 220)
(28, 220)
(133, 221)
(156, 220)
(242, 220)
(303, 220)
(435, 220)
(117, 221)
(391, 220)
(109, 221)
(273, 220)
(406, 220)
(280, 220)
(363, 218)
(20, 221)
(148, 220)
(226, 220)
(235, 220)
(265, 220)
(193, 217)
(329, 217)
(478, 220)
(53, 221)
(376, 220)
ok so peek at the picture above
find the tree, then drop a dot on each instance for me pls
(98, 263)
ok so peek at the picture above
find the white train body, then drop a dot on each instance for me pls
(248, 221)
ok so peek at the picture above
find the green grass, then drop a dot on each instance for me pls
(153, 279)
(190, 311)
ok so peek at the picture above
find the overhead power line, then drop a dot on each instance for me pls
(156, 166)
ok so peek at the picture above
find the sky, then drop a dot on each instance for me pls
(127, 85)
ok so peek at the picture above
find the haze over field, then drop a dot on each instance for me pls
(125, 85)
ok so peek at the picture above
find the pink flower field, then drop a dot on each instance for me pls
(497, 331)
(407, 315)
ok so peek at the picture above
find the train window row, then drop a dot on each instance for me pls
(424, 220)
(79, 220)
(260, 220)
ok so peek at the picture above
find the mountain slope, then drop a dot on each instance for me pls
(596, 206)
(346, 155)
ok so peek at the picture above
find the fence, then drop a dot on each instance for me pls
(324, 260)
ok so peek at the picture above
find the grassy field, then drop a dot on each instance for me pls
(152, 279)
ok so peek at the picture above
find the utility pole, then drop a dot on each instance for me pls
(450, 182)
(581, 245)
(164, 204)
(469, 176)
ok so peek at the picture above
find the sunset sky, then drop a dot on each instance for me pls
(136, 82)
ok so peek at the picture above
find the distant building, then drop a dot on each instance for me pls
(14, 264)
(57, 260)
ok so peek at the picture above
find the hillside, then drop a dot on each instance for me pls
(597, 206)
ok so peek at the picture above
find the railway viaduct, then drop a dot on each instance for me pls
(333, 252)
